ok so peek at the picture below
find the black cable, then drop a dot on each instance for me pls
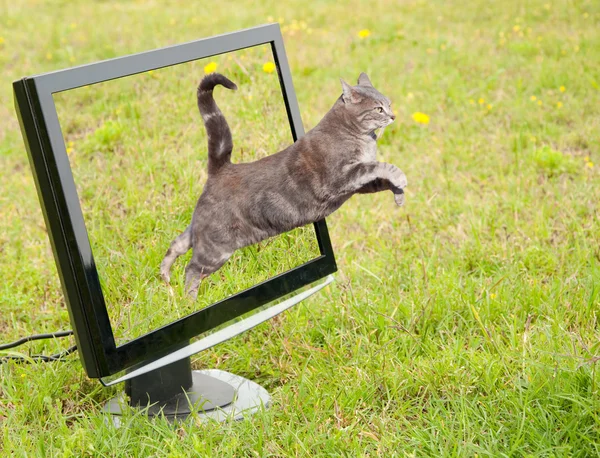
(42, 358)
(53, 335)
(33, 358)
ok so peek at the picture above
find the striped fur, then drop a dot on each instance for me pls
(220, 143)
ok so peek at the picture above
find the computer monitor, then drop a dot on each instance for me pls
(118, 168)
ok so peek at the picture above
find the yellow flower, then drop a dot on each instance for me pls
(364, 33)
(589, 165)
(73, 25)
(559, 104)
(493, 296)
(533, 98)
(69, 150)
(49, 55)
(210, 67)
(586, 159)
(70, 144)
(481, 101)
(516, 28)
(489, 106)
(562, 89)
(421, 118)
(1, 40)
(539, 102)
(269, 67)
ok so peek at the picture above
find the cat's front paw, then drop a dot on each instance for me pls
(398, 179)
(399, 197)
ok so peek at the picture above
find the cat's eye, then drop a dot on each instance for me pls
(380, 109)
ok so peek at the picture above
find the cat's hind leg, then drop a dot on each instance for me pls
(201, 266)
(178, 247)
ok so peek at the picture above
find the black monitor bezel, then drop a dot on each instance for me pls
(46, 149)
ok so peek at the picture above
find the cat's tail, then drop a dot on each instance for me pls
(220, 143)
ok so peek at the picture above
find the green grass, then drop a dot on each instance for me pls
(463, 324)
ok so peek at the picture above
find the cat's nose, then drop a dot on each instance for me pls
(393, 117)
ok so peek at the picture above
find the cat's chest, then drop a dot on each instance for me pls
(368, 152)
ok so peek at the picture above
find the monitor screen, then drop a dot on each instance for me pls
(119, 156)
(137, 148)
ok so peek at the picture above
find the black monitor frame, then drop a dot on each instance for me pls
(52, 173)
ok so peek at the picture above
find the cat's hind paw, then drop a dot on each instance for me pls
(165, 275)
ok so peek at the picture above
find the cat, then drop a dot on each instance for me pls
(243, 204)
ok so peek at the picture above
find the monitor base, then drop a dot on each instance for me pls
(214, 395)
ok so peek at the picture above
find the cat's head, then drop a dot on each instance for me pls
(369, 107)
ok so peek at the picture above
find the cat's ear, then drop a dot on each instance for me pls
(363, 80)
(350, 94)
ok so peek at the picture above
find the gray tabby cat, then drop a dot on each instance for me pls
(242, 204)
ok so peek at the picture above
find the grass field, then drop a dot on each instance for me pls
(463, 324)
